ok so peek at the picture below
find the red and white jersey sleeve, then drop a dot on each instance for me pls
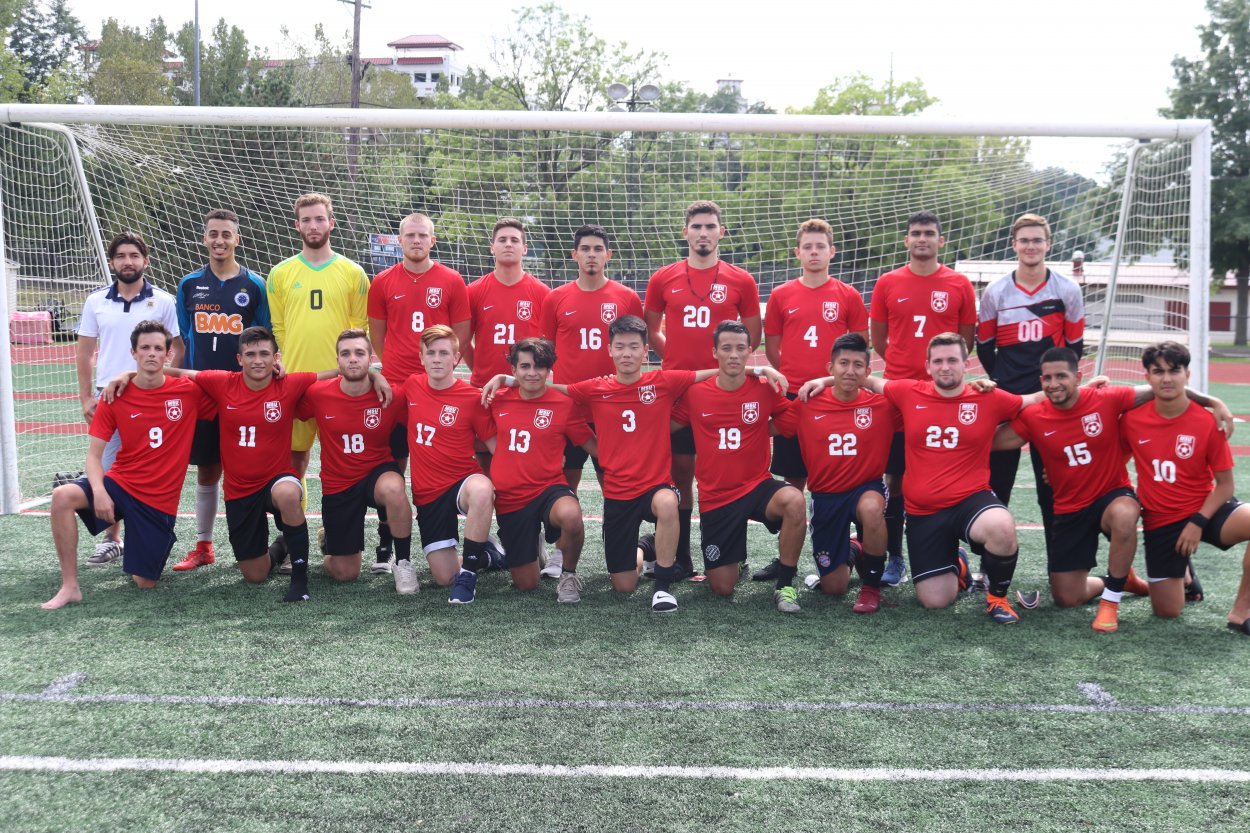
(947, 441)
(529, 444)
(355, 432)
(693, 302)
(1080, 446)
(443, 427)
(576, 322)
(806, 321)
(1176, 460)
(502, 316)
(844, 444)
(409, 303)
(156, 426)
(632, 423)
(915, 308)
(255, 427)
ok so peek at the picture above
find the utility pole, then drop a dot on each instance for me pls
(353, 133)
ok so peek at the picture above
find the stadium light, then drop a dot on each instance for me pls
(633, 99)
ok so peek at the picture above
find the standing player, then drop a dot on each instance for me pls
(532, 425)
(215, 304)
(730, 416)
(109, 316)
(909, 306)
(845, 437)
(505, 304)
(1023, 315)
(684, 302)
(145, 483)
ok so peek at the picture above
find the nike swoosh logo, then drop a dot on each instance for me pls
(1047, 433)
(607, 396)
(1142, 442)
(571, 312)
(329, 416)
(705, 414)
(819, 416)
(678, 289)
(504, 414)
(921, 407)
(793, 311)
(132, 416)
(231, 408)
(488, 306)
(396, 297)
(901, 300)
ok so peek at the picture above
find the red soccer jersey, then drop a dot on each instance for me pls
(156, 427)
(442, 428)
(502, 316)
(355, 432)
(915, 308)
(807, 321)
(844, 444)
(633, 426)
(731, 437)
(947, 441)
(576, 322)
(1080, 446)
(255, 426)
(529, 444)
(1176, 460)
(409, 303)
(693, 302)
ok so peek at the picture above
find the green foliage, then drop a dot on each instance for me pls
(44, 43)
(858, 95)
(226, 68)
(130, 67)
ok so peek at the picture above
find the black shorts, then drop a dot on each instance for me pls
(787, 456)
(245, 519)
(724, 529)
(438, 520)
(832, 516)
(897, 463)
(682, 441)
(206, 445)
(1162, 559)
(575, 458)
(399, 441)
(933, 540)
(518, 531)
(1076, 534)
(621, 519)
(343, 513)
(149, 532)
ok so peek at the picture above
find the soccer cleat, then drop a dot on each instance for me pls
(201, 556)
(647, 544)
(648, 569)
(962, 571)
(569, 589)
(381, 568)
(663, 602)
(494, 551)
(1029, 599)
(1000, 611)
(1193, 587)
(297, 593)
(1136, 585)
(787, 600)
(406, 583)
(768, 572)
(463, 589)
(744, 573)
(978, 583)
(1107, 617)
(106, 552)
(895, 571)
(278, 556)
(555, 564)
(812, 581)
(869, 600)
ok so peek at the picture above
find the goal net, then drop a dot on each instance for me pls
(72, 177)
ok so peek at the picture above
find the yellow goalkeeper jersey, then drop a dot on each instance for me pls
(310, 306)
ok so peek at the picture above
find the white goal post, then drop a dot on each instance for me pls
(1137, 205)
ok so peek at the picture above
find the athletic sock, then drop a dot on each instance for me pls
(894, 525)
(785, 575)
(998, 571)
(664, 577)
(403, 548)
(205, 511)
(384, 535)
(296, 538)
(476, 558)
(683, 539)
(1113, 588)
(870, 568)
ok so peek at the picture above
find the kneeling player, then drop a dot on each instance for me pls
(144, 484)
(532, 424)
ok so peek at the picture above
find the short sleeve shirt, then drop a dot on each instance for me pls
(110, 319)
(806, 321)
(529, 444)
(692, 302)
(502, 315)
(844, 444)
(409, 302)
(576, 321)
(914, 309)
(355, 432)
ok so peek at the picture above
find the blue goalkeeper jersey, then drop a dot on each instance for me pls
(212, 313)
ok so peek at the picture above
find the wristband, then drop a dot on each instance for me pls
(376, 367)
(1199, 520)
(758, 370)
(509, 381)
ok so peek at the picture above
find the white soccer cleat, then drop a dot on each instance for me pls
(554, 566)
(406, 583)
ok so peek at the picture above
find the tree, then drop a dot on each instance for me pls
(1217, 87)
(45, 41)
(131, 68)
(224, 67)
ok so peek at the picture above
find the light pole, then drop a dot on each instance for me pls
(197, 53)
(632, 98)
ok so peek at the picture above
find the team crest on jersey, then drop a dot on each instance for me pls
(524, 310)
(863, 418)
(542, 418)
(1092, 424)
(829, 311)
(1184, 446)
(273, 411)
(373, 417)
(646, 394)
(750, 412)
(718, 293)
(448, 415)
(433, 296)
(607, 313)
(173, 409)
(967, 412)
(939, 301)
(241, 299)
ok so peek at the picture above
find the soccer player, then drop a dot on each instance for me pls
(845, 436)
(1022, 315)
(730, 415)
(909, 306)
(156, 419)
(109, 316)
(215, 304)
(505, 304)
(684, 302)
(357, 467)
(1178, 450)
(532, 424)
(445, 419)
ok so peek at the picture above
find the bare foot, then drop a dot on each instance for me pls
(64, 596)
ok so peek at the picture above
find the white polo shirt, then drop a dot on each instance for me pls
(111, 319)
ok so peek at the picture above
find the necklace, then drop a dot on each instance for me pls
(690, 285)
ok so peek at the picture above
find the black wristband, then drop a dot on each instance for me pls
(1199, 520)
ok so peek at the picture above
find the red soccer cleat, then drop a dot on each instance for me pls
(869, 600)
(1135, 585)
(201, 556)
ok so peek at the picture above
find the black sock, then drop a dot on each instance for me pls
(664, 577)
(1115, 585)
(785, 575)
(476, 558)
(296, 538)
(683, 539)
(894, 524)
(998, 571)
(646, 543)
(870, 568)
(403, 548)
(384, 536)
